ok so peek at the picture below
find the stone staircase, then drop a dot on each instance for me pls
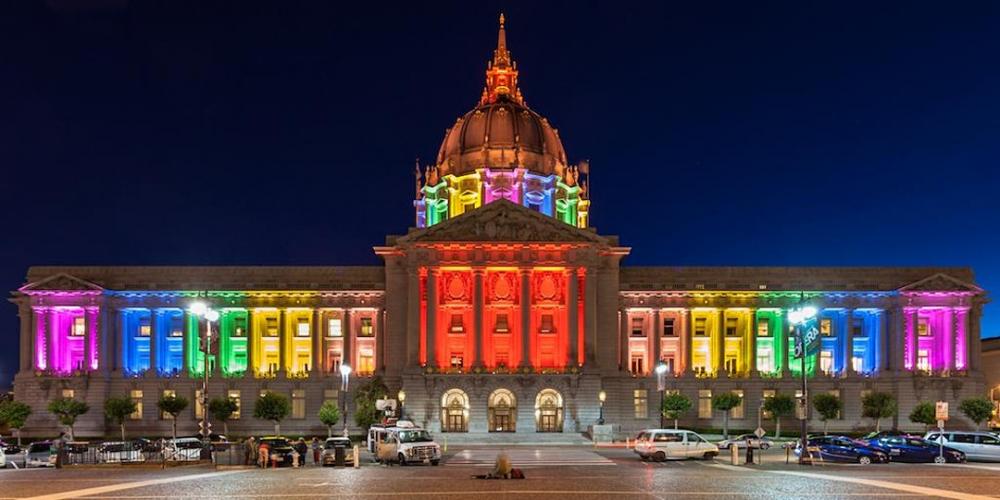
(512, 438)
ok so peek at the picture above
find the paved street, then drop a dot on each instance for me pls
(603, 473)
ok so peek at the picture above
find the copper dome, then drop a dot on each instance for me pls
(501, 134)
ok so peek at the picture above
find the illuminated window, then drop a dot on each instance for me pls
(923, 327)
(302, 328)
(79, 326)
(826, 327)
(638, 362)
(333, 358)
(271, 327)
(367, 330)
(765, 360)
(739, 411)
(501, 324)
(547, 325)
(240, 326)
(136, 396)
(299, 403)
(763, 328)
(456, 324)
(331, 396)
(366, 361)
(640, 401)
(68, 393)
(199, 405)
(456, 360)
(731, 363)
(167, 393)
(145, 328)
(923, 360)
(668, 327)
(826, 361)
(858, 364)
(857, 327)
(767, 393)
(705, 403)
(668, 360)
(334, 327)
(177, 326)
(731, 327)
(234, 396)
(700, 327)
(638, 327)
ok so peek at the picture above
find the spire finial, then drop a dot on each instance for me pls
(501, 73)
(501, 19)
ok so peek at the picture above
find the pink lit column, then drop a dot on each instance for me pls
(909, 337)
(41, 339)
(92, 339)
(960, 317)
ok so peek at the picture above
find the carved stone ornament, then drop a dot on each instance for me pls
(940, 283)
(61, 282)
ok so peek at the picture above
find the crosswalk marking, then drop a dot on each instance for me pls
(528, 458)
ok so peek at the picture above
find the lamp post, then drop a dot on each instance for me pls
(401, 396)
(799, 316)
(601, 396)
(200, 310)
(345, 377)
(661, 372)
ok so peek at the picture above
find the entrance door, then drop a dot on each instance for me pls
(455, 411)
(502, 410)
(548, 421)
(549, 408)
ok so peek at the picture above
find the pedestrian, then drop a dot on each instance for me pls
(263, 455)
(58, 446)
(250, 451)
(302, 449)
(295, 457)
(316, 450)
(750, 446)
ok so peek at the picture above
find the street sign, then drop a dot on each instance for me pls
(759, 432)
(205, 428)
(940, 424)
(941, 410)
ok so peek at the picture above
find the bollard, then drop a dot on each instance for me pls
(788, 453)
(357, 457)
(734, 454)
(446, 443)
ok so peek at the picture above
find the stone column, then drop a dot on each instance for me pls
(687, 340)
(848, 343)
(24, 321)
(283, 341)
(590, 342)
(119, 336)
(786, 357)
(719, 363)
(911, 339)
(477, 315)
(431, 344)
(882, 353)
(251, 346)
(526, 334)
(655, 333)
(318, 336)
(91, 341)
(573, 313)
(50, 337)
(347, 357)
(623, 335)
(39, 339)
(751, 349)
(154, 344)
(380, 347)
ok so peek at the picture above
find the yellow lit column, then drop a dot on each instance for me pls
(283, 341)
(251, 371)
(347, 356)
(686, 340)
(317, 342)
(750, 337)
(719, 342)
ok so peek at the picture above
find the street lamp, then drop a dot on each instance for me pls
(345, 377)
(601, 396)
(798, 317)
(661, 371)
(201, 310)
(401, 396)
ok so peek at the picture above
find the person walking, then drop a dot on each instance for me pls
(316, 451)
(263, 455)
(302, 449)
(250, 452)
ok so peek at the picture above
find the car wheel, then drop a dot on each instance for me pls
(864, 460)
(939, 460)
(709, 455)
(402, 460)
(660, 456)
(435, 462)
(764, 446)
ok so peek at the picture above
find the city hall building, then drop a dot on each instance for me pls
(501, 311)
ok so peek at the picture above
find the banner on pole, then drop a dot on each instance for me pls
(807, 340)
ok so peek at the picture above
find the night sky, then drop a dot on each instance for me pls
(741, 133)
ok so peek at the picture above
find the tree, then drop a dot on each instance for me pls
(725, 402)
(67, 410)
(780, 405)
(828, 406)
(879, 405)
(675, 404)
(222, 409)
(329, 414)
(365, 412)
(14, 414)
(924, 413)
(118, 409)
(274, 407)
(978, 410)
(173, 406)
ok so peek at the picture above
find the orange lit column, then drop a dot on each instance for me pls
(687, 340)
(623, 360)
(477, 315)
(525, 318)
(572, 305)
(657, 354)
(432, 305)
(318, 347)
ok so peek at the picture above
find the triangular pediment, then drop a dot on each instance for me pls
(62, 283)
(941, 282)
(503, 221)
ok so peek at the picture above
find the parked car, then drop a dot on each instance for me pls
(182, 449)
(119, 452)
(40, 454)
(844, 449)
(887, 434)
(11, 455)
(330, 447)
(742, 440)
(916, 450)
(977, 446)
(661, 444)
(280, 449)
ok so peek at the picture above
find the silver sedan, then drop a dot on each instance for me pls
(742, 440)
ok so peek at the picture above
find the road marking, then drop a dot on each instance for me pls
(974, 466)
(918, 490)
(97, 490)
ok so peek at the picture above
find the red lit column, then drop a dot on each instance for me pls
(477, 315)
(525, 318)
(657, 353)
(432, 305)
(572, 305)
(348, 344)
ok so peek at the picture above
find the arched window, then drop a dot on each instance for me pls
(455, 411)
(502, 411)
(549, 411)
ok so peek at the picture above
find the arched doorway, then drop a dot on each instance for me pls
(502, 411)
(455, 411)
(549, 411)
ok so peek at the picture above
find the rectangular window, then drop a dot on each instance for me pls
(331, 396)
(366, 360)
(700, 327)
(668, 327)
(234, 396)
(334, 327)
(858, 364)
(501, 325)
(79, 326)
(923, 327)
(177, 326)
(638, 363)
(923, 360)
(826, 361)
(299, 403)
(240, 326)
(826, 327)
(765, 360)
(271, 327)
(367, 328)
(548, 325)
(740, 410)
(705, 403)
(638, 327)
(68, 393)
(145, 327)
(456, 360)
(731, 364)
(136, 396)
(857, 327)
(767, 393)
(302, 328)
(640, 400)
(199, 405)
(763, 328)
(456, 324)
(168, 393)
(731, 330)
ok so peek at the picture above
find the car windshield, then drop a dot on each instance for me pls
(642, 436)
(414, 436)
(188, 445)
(275, 443)
(333, 443)
(39, 448)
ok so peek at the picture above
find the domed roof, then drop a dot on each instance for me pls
(501, 134)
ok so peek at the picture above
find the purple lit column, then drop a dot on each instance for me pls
(93, 337)
(52, 332)
(41, 344)
(960, 317)
(910, 337)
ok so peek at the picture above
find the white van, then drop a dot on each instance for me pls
(410, 444)
(663, 444)
(977, 446)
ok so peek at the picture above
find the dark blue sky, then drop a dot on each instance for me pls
(719, 133)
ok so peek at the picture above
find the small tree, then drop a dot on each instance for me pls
(725, 402)
(222, 409)
(365, 412)
(879, 405)
(675, 404)
(173, 406)
(780, 405)
(828, 406)
(978, 410)
(118, 409)
(329, 415)
(274, 407)
(67, 410)
(14, 414)
(924, 413)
